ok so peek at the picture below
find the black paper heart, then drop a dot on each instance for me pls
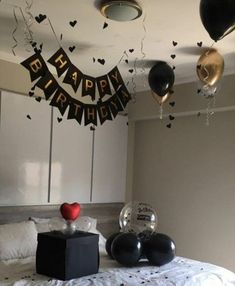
(31, 93)
(173, 67)
(174, 43)
(126, 61)
(130, 70)
(33, 44)
(173, 56)
(38, 99)
(93, 60)
(61, 37)
(40, 46)
(71, 48)
(40, 18)
(168, 125)
(199, 90)
(105, 25)
(59, 119)
(199, 44)
(171, 117)
(28, 116)
(131, 50)
(172, 103)
(73, 23)
(101, 61)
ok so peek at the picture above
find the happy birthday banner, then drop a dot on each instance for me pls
(105, 110)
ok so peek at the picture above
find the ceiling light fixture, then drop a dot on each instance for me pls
(118, 10)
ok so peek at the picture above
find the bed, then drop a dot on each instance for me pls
(17, 265)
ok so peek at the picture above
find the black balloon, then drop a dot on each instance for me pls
(218, 17)
(126, 249)
(161, 78)
(159, 249)
(109, 242)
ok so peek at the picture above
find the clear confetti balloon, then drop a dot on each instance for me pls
(138, 217)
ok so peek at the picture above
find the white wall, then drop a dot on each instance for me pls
(188, 172)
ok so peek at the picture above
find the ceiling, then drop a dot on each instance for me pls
(150, 37)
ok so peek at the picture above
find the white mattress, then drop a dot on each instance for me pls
(179, 272)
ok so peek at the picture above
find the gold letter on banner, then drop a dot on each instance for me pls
(104, 112)
(61, 100)
(90, 115)
(88, 86)
(75, 110)
(103, 85)
(73, 77)
(36, 66)
(48, 84)
(60, 61)
(116, 78)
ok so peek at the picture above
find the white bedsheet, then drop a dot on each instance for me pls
(179, 272)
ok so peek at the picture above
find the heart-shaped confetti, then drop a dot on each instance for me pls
(38, 99)
(126, 61)
(171, 117)
(199, 44)
(131, 50)
(168, 125)
(59, 119)
(199, 90)
(28, 116)
(73, 23)
(172, 103)
(31, 93)
(173, 56)
(40, 18)
(33, 44)
(71, 48)
(130, 70)
(40, 46)
(174, 43)
(61, 37)
(173, 67)
(93, 60)
(105, 25)
(101, 61)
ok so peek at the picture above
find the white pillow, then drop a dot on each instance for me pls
(18, 240)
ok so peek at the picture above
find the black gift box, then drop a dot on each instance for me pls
(67, 256)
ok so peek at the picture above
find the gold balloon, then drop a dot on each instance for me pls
(210, 67)
(161, 99)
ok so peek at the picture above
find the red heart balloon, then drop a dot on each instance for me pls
(70, 211)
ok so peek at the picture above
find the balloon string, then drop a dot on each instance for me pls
(54, 32)
(13, 33)
(160, 111)
(133, 82)
(124, 54)
(29, 23)
(26, 24)
(142, 49)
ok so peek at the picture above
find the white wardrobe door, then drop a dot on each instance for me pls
(110, 155)
(24, 150)
(71, 161)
